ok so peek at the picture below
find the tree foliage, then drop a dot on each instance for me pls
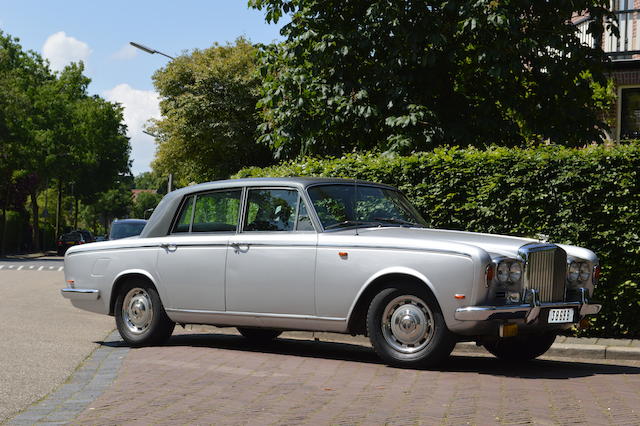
(411, 75)
(588, 197)
(208, 104)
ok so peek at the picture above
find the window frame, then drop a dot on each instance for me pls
(195, 196)
(301, 197)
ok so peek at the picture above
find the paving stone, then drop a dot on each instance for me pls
(582, 351)
(613, 342)
(623, 352)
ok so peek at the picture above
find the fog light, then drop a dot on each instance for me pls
(513, 297)
(508, 330)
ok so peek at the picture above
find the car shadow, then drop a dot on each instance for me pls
(477, 364)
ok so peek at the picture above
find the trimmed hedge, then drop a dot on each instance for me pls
(587, 197)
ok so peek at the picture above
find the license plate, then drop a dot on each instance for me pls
(560, 316)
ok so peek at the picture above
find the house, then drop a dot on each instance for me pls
(624, 68)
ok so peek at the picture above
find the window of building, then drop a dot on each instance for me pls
(630, 113)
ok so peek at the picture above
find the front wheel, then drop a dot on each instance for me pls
(520, 348)
(140, 316)
(406, 327)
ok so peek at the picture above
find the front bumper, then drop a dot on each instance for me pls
(528, 312)
(80, 293)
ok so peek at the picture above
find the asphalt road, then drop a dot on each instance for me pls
(42, 337)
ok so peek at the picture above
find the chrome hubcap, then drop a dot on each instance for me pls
(137, 310)
(407, 324)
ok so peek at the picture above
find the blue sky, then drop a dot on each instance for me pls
(99, 34)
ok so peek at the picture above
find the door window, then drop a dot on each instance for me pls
(276, 210)
(212, 212)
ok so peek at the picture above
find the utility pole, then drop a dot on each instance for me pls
(58, 208)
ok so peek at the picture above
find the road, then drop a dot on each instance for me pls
(43, 338)
(204, 376)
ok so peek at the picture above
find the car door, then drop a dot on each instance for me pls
(191, 261)
(271, 263)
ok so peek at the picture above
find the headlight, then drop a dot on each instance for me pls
(585, 271)
(574, 271)
(503, 272)
(515, 272)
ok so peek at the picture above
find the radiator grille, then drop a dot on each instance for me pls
(545, 271)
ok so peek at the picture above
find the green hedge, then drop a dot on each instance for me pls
(588, 197)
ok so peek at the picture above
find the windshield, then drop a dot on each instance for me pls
(338, 206)
(125, 229)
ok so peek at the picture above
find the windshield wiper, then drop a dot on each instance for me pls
(350, 223)
(397, 221)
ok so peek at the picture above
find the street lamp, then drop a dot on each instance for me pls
(152, 51)
(148, 49)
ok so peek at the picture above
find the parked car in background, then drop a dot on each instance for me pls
(124, 228)
(69, 239)
(267, 255)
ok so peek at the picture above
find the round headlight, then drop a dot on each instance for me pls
(515, 272)
(503, 272)
(585, 271)
(574, 271)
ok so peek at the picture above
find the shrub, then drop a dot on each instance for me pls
(588, 197)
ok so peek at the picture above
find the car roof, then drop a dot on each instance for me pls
(160, 221)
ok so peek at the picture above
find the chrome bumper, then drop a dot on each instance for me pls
(80, 293)
(529, 312)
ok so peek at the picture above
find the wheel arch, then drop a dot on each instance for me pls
(125, 276)
(356, 323)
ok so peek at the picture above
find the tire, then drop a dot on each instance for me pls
(520, 348)
(260, 335)
(406, 327)
(140, 316)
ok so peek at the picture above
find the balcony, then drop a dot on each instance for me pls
(626, 46)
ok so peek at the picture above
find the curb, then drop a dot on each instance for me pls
(88, 382)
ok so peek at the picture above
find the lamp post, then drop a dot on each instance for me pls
(154, 51)
(148, 49)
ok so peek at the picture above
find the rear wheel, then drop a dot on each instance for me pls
(140, 316)
(520, 348)
(259, 334)
(406, 327)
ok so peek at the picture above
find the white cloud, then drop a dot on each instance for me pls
(139, 107)
(61, 49)
(126, 52)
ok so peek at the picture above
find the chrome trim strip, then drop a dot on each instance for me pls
(80, 293)
(254, 314)
(355, 246)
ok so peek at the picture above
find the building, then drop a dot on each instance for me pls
(624, 68)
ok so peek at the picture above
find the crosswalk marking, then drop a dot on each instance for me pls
(32, 267)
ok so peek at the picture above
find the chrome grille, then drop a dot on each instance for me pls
(545, 270)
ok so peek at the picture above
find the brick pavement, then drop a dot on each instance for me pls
(223, 379)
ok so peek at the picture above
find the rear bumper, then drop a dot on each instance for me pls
(529, 312)
(80, 293)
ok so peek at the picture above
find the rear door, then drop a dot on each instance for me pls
(191, 262)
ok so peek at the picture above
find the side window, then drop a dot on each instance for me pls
(216, 212)
(184, 220)
(304, 221)
(271, 210)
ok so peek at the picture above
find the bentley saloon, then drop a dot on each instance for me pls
(268, 255)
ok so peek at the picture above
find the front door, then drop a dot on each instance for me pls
(271, 263)
(191, 262)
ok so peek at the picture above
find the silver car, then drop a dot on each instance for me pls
(268, 255)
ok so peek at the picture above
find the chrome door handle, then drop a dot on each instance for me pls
(169, 246)
(236, 246)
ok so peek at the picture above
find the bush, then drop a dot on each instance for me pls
(587, 197)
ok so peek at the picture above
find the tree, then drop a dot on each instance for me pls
(411, 75)
(151, 180)
(208, 101)
(144, 203)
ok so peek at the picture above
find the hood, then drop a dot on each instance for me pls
(493, 244)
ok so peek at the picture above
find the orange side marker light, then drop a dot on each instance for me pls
(459, 296)
(343, 254)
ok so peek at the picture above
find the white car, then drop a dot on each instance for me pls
(267, 255)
